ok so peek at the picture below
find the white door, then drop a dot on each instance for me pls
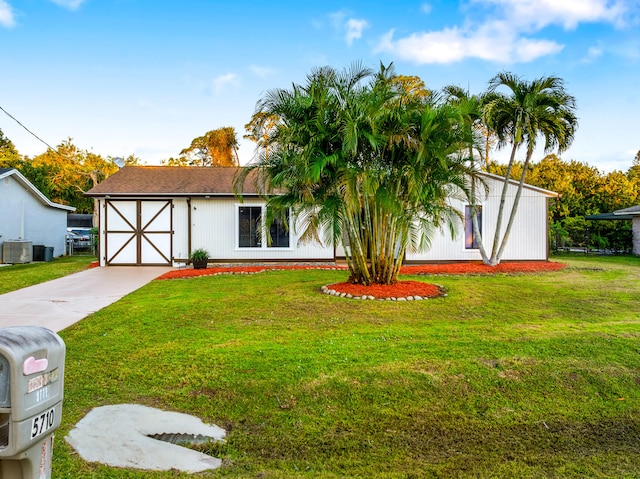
(138, 232)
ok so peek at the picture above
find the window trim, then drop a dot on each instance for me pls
(237, 229)
(468, 221)
(263, 230)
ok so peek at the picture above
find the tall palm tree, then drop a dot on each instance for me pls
(530, 110)
(360, 159)
(471, 110)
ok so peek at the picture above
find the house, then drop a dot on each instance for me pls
(528, 240)
(28, 218)
(155, 215)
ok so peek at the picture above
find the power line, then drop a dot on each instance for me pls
(32, 133)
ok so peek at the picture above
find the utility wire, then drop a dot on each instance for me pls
(32, 133)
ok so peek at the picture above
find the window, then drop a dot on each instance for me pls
(251, 229)
(470, 240)
(250, 226)
(279, 232)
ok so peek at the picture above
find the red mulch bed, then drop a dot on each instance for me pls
(401, 289)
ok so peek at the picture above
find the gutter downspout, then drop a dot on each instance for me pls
(21, 219)
(189, 229)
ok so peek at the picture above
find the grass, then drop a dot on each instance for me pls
(19, 276)
(532, 375)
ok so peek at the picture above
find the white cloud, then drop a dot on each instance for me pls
(507, 34)
(70, 4)
(354, 29)
(6, 15)
(593, 53)
(526, 50)
(337, 19)
(489, 43)
(221, 82)
(261, 72)
(537, 14)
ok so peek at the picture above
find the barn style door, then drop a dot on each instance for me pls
(138, 232)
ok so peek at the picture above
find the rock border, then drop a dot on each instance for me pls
(332, 292)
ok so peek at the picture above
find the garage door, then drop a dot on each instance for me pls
(138, 232)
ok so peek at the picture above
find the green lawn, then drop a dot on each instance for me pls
(19, 276)
(534, 375)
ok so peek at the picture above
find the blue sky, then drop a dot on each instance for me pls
(144, 77)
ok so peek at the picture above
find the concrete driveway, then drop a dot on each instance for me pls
(62, 302)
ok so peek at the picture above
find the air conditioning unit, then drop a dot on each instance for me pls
(17, 251)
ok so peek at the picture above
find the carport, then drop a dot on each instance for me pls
(632, 213)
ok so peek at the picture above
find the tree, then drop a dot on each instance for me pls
(66, 173)
(8, 151)
(259, 129)
(583, 190)
(215, 148)
(471, 110)
(541, 107)
(634, 171)
(360, 160)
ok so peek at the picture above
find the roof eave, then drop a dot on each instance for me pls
(20, 178)
(165, 195)
(548, 193)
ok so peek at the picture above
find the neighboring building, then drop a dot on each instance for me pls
(154, 215)
(80, 220)
(29, 217)
(633, 214)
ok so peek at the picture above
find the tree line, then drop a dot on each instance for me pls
(584, 190)
(65, 173)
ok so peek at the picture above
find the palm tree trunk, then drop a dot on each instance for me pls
(516, 201)
(495, 259)
(474, 216)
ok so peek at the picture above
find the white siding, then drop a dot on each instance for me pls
(180, 229)
(528, 238)
(21, 211)
(635, 228)
(214, 228)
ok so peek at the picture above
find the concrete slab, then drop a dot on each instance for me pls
(118, 436)
(62, 302)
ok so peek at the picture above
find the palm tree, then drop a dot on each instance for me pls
(360, 159)
(471, 110)
(540, 108)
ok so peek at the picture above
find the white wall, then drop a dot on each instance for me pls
(635, 228)
(528, 238)
(43, 225)
(215, 228)
(527, 241)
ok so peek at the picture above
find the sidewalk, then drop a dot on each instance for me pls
(62, 302)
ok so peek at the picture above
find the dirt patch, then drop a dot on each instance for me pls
(400, 290)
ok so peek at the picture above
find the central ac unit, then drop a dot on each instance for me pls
(17, 251)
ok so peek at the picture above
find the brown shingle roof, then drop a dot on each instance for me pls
(172, 181)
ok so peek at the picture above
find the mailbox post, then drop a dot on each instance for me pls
(31, 392)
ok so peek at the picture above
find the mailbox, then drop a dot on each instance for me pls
(31, 392)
